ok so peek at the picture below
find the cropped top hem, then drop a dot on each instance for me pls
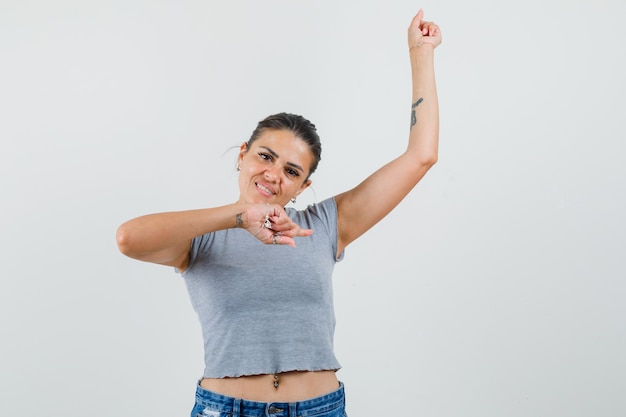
(271, 373)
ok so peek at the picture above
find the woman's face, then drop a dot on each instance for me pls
(274, 169)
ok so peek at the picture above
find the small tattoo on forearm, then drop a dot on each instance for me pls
(413, 106)
(238, 220)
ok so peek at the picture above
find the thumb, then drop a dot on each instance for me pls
(415, 30)
(417, 20)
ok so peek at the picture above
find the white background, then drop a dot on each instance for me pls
(495, 289)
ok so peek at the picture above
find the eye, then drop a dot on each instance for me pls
(265, 156)
(292, 172)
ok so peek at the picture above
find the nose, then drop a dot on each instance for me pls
(272, 173)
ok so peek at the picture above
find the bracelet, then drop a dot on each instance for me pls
(415, 46)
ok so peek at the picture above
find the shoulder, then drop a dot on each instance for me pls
(324, 212)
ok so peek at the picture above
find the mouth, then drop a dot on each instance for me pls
(264, 189)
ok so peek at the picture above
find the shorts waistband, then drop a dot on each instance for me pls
(216, 405)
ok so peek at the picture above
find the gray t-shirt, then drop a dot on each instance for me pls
(263, 308)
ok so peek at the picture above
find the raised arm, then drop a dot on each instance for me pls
(363, 206)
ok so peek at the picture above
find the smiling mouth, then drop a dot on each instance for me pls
(264, 189)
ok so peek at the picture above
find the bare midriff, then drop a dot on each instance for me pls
(283, 387)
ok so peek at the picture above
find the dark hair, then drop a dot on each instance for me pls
(299, 126)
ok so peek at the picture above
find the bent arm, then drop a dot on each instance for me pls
(165, 238)
(362, 207)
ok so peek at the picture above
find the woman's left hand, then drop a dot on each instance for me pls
(421, 32)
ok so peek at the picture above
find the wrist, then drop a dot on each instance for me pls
(239, 220)
(240, 217)
(422, 56)
(422, 47)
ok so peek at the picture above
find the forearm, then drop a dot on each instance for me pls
(168, 234)
(424, 133)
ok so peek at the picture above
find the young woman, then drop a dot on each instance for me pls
(259, 274)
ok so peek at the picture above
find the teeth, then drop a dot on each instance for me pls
(265, 189)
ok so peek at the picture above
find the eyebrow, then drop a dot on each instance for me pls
(275, 155)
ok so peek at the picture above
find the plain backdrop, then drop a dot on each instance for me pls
(496, 288)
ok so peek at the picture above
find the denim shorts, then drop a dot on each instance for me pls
(212, 404)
